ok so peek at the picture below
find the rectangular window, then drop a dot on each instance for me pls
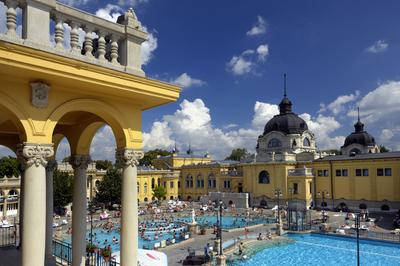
(358, 172)
(365, 172)
(295, 188)
(209, 183)
(388, 171)
(320, 173)
(379, 172)
(338, 172)
(214, 183)
(227, 184)
(326, 172)
(165, 184)
(171, 184)
(179, 184)
(345, 172)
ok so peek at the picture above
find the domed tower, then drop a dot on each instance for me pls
(285, 136)
(359, 141)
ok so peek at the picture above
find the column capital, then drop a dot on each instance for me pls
(51, 165)
(80, 161)
(128, 157)
(34, 154)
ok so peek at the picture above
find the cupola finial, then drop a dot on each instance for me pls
(284, 85)
(358, 113)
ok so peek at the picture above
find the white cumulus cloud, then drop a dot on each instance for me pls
(378, 47)
(259, 28)
(186, 81)
(262, 51)
(340, 103)
(149, 46)
(110, 12)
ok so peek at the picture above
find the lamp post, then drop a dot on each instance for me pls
(323, 194)
(220, 228)
(278, 194)
(357, 224)
(217, 233)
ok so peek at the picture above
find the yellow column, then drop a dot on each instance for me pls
(34, 157)
(127, 159)
(79, 205)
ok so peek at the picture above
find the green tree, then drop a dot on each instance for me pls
(159, 192)
(9, 167)
(151, 155)
(103, 164)
(383, 148)
(237, 154)
(109, 189)
(62, 189)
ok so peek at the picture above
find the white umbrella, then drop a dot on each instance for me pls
(147, 258)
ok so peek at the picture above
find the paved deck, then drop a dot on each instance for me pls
(177, 253)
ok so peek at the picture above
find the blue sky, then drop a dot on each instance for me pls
(231, 55)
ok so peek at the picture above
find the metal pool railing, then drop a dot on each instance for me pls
(62, 251)
(8, 236)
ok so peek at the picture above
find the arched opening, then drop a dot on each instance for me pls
(385, 207)
(263, 177)
(274, 143)
(363, 206)
(306, 142)
(240, 188)
(263, 203)
(324, 204)
(230, 202)
(146, 199)
(189, 198)
(342, 207)
(171, 197)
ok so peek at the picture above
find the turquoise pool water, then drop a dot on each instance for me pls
(313, 249)
(154, 232)
(228, 222)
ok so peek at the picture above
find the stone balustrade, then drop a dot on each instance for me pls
(300, 172)
(9, 182)
(57, 28)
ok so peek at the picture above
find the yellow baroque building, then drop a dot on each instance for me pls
(287, 166)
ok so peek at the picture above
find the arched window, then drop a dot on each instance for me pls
(153, 183)
(200, 181)
(355, 151)
(385, 207)
(212, 182)
(189, 181)
(138, 187)
(274, 143)
(363, 206)
(263, 177)
(306, 142)
(145, 188)
(146, 199)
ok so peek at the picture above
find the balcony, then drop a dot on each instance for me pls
(232, 173)
(9, 182)
(300, 172)
(53, 27)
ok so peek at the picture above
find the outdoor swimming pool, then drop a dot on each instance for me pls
(228, 222)
(314, 249)
(164, 231)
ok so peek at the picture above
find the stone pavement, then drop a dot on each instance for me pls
(177, 253)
